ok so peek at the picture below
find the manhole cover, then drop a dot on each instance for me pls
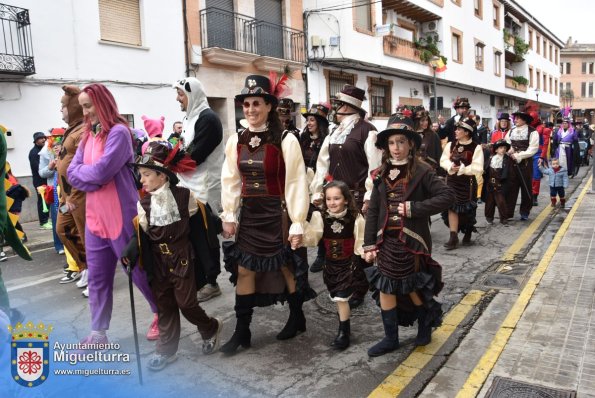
(368, 307)
(507, 388)
(503, 281)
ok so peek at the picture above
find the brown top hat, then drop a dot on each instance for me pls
(319, 111)
(467, 124)
(351, 95)
(257, 86)
(285, 107)
(398, 124)
(461, 103)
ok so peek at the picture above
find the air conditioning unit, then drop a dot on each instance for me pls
(428, 89)
(430, 27)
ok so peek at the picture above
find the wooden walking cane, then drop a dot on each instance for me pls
(140, 372)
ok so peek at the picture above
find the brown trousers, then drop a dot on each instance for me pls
(174, 294)
(496, 199)
(70, 228)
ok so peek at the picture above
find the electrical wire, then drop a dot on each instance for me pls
(60, 82)
(343, 7)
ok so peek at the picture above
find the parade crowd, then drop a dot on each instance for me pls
(155, 206)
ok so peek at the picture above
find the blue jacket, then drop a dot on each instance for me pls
(559, 179)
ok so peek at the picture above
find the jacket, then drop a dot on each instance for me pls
(559, 179)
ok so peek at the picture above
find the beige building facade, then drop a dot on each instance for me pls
(577, 80)
(228, 40)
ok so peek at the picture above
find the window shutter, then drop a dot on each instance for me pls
(120, 21)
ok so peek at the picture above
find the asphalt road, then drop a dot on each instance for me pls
(303, 366)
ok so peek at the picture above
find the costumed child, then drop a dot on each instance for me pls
(166, 235)
(558, 176)
(406, 192)
(341, 227)
(497, 176)
(463, 161)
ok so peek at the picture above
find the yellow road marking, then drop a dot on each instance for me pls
(398, 380)
(485, 365)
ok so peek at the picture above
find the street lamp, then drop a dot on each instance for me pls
(537, 93)
(434, 64)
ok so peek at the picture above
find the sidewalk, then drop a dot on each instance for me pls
(37, 239)
(553, 343)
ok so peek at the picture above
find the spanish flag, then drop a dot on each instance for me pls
(438, 65)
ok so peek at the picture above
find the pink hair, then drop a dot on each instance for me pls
(105, 108)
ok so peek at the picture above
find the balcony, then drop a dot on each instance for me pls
(509, 82)
(229, 38)
(400, 48)
(16, 47)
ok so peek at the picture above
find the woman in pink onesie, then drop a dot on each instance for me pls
(100, 168)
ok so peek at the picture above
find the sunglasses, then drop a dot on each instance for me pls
(58, 140)
(255, 103)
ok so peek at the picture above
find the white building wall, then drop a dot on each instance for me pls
(66, 47)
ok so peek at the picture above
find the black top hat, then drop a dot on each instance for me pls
(500, 143)
(398, 124)
(257, 86)
(352, 96)
(154, 158)
(523, 115)
(504, 115)
(467, 124)
(319, 111)
(461, 103)
(38, 135)
(285, 106)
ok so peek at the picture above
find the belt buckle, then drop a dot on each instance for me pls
(493, 180)
(164, 248)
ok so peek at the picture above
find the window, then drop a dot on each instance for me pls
(538, 43)
(556, 59)
(497, 62)
(457, 45)
(119, 21)
(590, 90)
(583, 89)
(565, 68)
(479, 54)
(531, 77)
(380, 96)
(538, 79)
(587, 68)
(568, 86)
(550, 85)
(531, 39)
(544, 88)
(544, 48)
(561, 88)
(550, 53)
(362, 17)
(478, 8)
(336, 80)
(496, 16)
(129, 118)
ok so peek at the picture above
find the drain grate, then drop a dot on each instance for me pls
(501, 281)
(503, 387)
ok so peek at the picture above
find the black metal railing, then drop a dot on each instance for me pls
(233, 31)
(16, 46)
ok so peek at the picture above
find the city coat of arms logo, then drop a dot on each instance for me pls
(30, 353)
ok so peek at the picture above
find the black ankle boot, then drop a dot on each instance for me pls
(317, 264)
(241, 335)
(424, 329)
(297, 321)
(453, 241)
(467, 238)
(535, 200)
(390, 342)
(342, 340)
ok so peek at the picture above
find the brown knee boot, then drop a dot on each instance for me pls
(453, 242)
(562, 202)
(554, 200)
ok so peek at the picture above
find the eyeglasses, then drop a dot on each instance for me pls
(254, 103)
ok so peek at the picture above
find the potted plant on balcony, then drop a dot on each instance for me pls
(520, 47)
(520, 80)
(428, 47)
